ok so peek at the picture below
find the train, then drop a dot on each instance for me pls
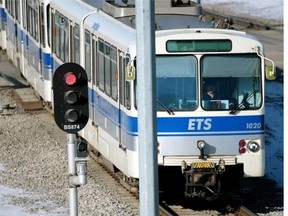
(209, 140)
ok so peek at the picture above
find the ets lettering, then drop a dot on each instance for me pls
(200, 124)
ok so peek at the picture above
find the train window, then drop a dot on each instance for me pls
(127, 85)
(42, 25)
(107, 72)
(88, 54)
(229, 81)
(107, 68)
(94, 62)
(76, 44)
(114, 73)
(53, 32)
(121, 77)
(17, 11)
(65, 40)
(10, 7)
(33, 24)
(24, 14)
(124, 94)
(48, 29)
(62, 37)
(57, 35)
(199, 45)
(176, 82)
(101, 64)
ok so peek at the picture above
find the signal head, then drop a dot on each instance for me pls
(70, 87)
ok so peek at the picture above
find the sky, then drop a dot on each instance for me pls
(265, 9)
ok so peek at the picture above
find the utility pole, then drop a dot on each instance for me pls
(146, 85)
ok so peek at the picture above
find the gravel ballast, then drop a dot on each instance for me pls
(33, 158)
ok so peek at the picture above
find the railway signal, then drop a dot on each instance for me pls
(70, 87)
(82, 149)
(71, 113)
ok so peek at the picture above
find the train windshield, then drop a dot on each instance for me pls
(231, 82)
(176, 82)
(227, 82)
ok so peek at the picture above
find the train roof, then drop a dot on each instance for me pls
(124, 8)
(98, 21)
(75, 10)
(121, 30)
(167, 15)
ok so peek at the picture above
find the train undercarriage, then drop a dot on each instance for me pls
(203, 180)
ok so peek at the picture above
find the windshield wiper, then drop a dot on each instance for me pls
(168, 110)
(244, 102)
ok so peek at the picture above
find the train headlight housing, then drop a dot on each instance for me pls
(201, 144)
(253, 146)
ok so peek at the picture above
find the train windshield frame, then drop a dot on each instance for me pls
(182, 82)
(176, 79)
(234, 79)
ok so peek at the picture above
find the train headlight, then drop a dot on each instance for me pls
(201, 144)
(253, 146)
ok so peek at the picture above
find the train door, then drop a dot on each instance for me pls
(92, 95)
(11, 29)
(88, 67)
(18, 27)
(114, 80)
(41, 15)
(124, 97)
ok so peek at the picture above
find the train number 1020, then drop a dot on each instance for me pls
(255, 125)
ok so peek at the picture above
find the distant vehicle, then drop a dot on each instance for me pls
(210, 142)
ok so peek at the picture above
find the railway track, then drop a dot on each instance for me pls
(166, 210)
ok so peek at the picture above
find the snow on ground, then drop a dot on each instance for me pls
(265, 9)
(7, 195)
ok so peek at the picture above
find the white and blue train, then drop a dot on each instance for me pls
(207, 138)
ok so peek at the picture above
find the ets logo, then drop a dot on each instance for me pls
(200, 124)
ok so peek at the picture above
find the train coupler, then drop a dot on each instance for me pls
(201, 179)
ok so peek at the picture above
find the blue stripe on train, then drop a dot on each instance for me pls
(191, 126)
(3, 15)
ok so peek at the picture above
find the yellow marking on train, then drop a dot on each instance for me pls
(203, 165)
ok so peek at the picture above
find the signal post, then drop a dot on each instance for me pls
(71, 113)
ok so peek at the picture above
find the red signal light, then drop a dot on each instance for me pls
(70, 78)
